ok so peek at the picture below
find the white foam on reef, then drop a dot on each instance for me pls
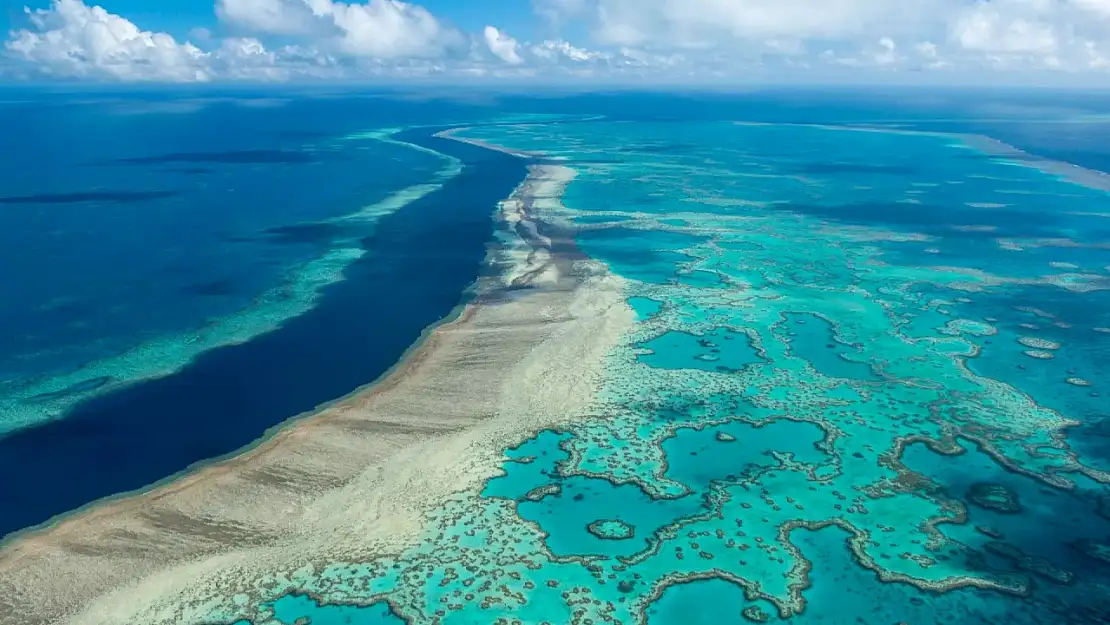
(356, 480)
(44, 399)
(525, 253)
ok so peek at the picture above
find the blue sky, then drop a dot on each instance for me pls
(577, 41)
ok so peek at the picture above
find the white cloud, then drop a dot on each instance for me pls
(704, 23)
(502, 46)
(246, 58)
(281, 17)
(560, 50)
(1040, 34)
(654, 40)
(888, 52)
(376, 28)
(387, 28)
(70, 39)
(1062, 34)
(1098, 7)
(985, 28)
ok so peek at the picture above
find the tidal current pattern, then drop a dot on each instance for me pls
(861, 387)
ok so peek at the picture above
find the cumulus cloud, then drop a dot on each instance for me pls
(559, 50)
(1098, 7)
(280, 17)
(1052, 34)
(660, 40)
(1068, 34)
(502, 46)
(246, 58)
(985, 28)
(73, 40)
(701, 23)
(376, 28)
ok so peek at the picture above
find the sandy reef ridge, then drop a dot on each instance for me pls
(355, 480)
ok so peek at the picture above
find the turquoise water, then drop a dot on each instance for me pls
(814, 339)
(826, 410)
(715, 350)
(645, 307)
(294, 609)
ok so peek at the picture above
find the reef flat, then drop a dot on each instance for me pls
(727, 372)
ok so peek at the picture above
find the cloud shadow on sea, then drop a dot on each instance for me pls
(856, 168)
(78, 197)
(934, 219)
(228, 157)
(213, 288)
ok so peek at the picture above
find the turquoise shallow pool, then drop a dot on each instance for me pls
(847, 398)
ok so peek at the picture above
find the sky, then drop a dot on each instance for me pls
(642, 42)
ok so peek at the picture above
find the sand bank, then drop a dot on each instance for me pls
(355, 480)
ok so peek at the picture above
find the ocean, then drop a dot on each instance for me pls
(864, 382)
(182, 276)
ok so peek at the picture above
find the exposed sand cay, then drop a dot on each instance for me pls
(355, 480)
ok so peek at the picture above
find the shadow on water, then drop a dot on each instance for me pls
(191, 171)
(215, 288)
(248, 157)
(418, 263)
(308, 233)
(934, 219)
(303, 134)
(116, 197)
(856, 168)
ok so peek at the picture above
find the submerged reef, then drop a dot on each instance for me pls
(994, 497)
(611, 529)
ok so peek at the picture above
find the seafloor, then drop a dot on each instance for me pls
(850, 393)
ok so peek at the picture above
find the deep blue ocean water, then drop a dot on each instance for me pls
(121, 222)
